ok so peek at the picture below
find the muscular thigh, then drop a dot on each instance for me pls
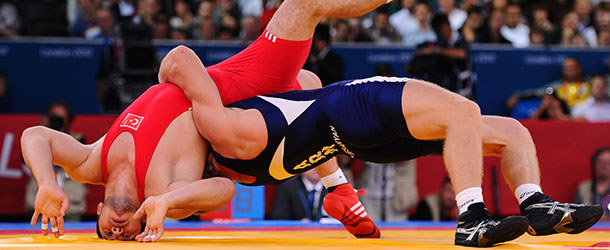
(428, 109)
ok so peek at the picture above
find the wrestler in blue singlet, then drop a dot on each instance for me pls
(360, 118)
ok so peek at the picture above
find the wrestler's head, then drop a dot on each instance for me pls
(114, 221)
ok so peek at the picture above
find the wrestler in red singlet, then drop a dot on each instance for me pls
(269, 65)
(146, 119)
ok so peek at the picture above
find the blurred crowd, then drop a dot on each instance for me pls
(574, 96)
(581, 23)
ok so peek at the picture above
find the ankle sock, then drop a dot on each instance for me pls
(526, 190)
(333, 180)
(467, 197)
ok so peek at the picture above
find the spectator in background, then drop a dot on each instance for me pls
(540, 20)
(342, 31)
(445, 62)
(490, 32)
(161, 29)
(358, 34)
(596, 108)
(105, 28)
(440, 206)
(551, 108)
(456, 16)
(603, 38)
(85, 17)
(300, 198)
(183, 18)
(582, 8)
(250, 29)
(601, 24)
(513, 29)
(597, 189)
(572, 87)
(206, 30)
(537, 36)
(403, 20)
(569, 28)
(10, 22)
(578, 40)
(224, 9)
(423, 32)
(58, 116)
(322, 61)
(382, 32)
(472, 25)
(229, 24)
(205, 10)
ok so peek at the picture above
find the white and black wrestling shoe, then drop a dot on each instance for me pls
(476, 227)
(547, 216)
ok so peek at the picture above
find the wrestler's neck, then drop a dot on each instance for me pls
(122, 180)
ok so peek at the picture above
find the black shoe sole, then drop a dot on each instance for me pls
(514, 225)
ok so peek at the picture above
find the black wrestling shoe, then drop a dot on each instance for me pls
(476, 228)
(547, 216)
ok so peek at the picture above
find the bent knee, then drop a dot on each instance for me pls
(308, 80)
(462, 108)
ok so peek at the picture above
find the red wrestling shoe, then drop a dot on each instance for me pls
(343, 205)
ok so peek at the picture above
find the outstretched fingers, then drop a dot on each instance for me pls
(150, 235)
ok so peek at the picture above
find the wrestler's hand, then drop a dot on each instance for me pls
(153, 210)
(52, 202)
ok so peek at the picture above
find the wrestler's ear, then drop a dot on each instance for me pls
(99, 208)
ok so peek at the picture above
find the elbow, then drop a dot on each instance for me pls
(228, 191)
(171, 64)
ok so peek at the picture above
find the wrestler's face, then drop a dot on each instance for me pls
(115, 219)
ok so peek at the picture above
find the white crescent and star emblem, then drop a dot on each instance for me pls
(132, 121)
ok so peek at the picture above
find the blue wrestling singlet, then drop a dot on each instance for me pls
(360, 118)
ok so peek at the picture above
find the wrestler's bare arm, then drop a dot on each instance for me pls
(205, 195)
(182, 67)
(42, 148)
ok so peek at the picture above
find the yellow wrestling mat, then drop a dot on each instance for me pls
(301, 239)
